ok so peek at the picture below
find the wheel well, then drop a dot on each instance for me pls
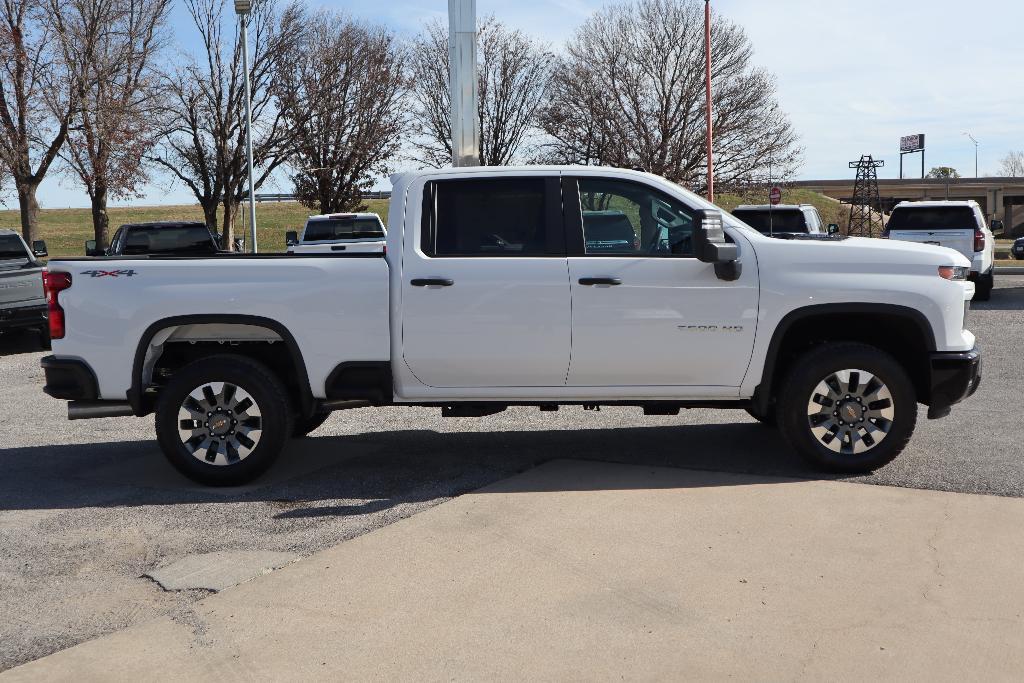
(899, 335)
(164, 350)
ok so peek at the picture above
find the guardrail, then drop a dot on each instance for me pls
(283, 197)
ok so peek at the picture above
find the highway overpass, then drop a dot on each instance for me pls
(998, 197)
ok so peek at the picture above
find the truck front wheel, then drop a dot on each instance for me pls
(847, 407)
(223, 420)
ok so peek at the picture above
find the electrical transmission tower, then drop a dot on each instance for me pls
(866, 205)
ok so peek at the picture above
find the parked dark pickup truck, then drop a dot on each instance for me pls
(177, 238)
(22, 302)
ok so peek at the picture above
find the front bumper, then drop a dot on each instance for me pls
(23, 316)
(954, 377)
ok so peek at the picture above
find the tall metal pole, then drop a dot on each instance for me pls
(462, 82)
(707, 106)
(242, 7)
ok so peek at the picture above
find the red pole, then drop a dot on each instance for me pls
(707, 55)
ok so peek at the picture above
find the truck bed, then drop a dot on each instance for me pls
(333, 306)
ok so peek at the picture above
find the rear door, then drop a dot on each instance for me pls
(485, 284)
(943, 226)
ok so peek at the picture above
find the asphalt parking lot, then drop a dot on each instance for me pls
(88, 508)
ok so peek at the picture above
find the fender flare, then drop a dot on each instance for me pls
(762, 393)
(136, 394)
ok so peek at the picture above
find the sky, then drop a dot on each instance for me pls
(853, 75)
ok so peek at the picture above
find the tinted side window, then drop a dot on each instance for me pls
(490, 217)
(622, 218)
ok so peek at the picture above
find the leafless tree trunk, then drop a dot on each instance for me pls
(112, 44)
(341, 90)
(629, 91)
(204, 144)
(36, 102)
(513, 73)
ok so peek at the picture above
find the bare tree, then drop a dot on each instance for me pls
(1012, 165)
(629, 91)
(204, 144)
(341, 90)
(36, 102)
(513, 72)
(112, 45)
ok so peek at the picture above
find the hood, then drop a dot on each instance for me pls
(857, 255)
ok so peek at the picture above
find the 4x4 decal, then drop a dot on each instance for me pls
(109, 273)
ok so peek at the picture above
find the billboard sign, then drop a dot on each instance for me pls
(912, 143)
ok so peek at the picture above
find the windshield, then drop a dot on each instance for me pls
(343, 229)
(11, 247)
(933, 218)
(783, 220)
(185, 239)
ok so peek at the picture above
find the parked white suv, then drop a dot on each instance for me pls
(339, 232)
(959, 225)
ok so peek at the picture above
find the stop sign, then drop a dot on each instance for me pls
(775, 196)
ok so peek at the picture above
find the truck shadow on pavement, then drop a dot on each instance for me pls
(369, 473)
(1003, 299)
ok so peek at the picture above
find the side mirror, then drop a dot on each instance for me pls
(91, 250)
(291, 238)
(39, 249)
(239, 245)
(997, 226)
(833, 229)
(711, 246)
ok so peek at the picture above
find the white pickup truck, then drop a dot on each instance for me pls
(348, 232)
(494, 292)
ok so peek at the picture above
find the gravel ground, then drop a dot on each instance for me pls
(87, 508)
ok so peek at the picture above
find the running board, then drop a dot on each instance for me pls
(89, 410)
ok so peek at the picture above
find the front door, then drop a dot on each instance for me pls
(485, 286)
(645, 312)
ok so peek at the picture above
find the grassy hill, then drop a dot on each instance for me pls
(65, 230)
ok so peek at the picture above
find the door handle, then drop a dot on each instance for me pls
(432, 282)
(593, 281)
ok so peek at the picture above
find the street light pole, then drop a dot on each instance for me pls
(242, 8)
(975, 153)
(707, 104)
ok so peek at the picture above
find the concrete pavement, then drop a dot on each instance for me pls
(599, 571)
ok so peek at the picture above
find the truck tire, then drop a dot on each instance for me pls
(768, 420)
(983, 287)
(223, 420)
(847, 407)
(304, 426)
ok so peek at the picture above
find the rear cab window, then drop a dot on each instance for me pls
(495, 217)
(11, 247)
(932, 218)
(184, 239)
(767, 222)
(343, 228)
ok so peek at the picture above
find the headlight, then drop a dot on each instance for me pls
(954, 272)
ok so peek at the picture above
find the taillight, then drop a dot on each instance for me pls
(885, 234)
(979, 240)
(53, 285)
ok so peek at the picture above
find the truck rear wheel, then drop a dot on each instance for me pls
(223, 420)
(847, 408)
(984, 285)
